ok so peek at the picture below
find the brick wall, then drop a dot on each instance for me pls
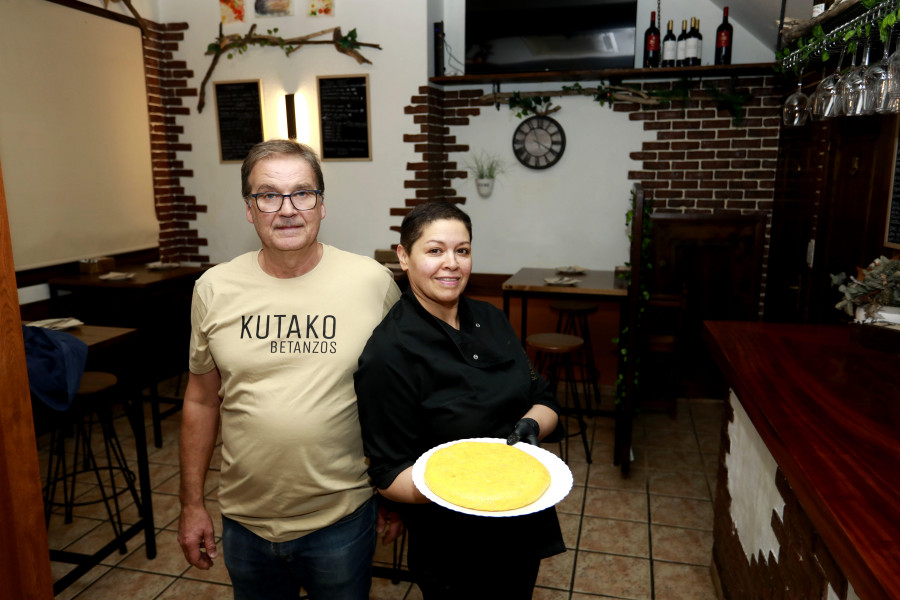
(167, 91)
(435, 111)
(804, 567)
(700, 160)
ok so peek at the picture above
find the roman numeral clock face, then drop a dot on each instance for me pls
(539, 142)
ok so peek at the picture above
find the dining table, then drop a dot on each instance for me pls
(155, 299)
(532, 282)
(108, 349)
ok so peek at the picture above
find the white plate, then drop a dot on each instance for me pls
(162, 266)
(572, 270)
(561, 281)
(60, 324)
(560, 480)
(116, 276)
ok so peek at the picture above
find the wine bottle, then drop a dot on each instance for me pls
(724, 38)
(698, 59)
(820, 6)
(651, 43)
(669, 48)
(681, 46)
(693, 44)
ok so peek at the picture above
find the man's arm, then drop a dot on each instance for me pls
(199, 429)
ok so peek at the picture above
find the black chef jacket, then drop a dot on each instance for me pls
(421, 383)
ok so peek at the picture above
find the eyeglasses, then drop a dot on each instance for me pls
(269, 202)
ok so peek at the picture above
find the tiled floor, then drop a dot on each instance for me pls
(642, 538)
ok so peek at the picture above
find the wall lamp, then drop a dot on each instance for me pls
(291, 116)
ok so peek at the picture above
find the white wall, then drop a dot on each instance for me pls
(358, 194)
(572, 213)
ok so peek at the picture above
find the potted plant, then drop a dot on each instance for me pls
(873, 298)
(485, 167)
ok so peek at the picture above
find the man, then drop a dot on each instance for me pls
(276, 335)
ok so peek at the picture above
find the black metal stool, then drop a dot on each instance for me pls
(92, 404)
(554, 357)
(573, 320)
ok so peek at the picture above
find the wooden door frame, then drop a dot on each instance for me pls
(24, 549)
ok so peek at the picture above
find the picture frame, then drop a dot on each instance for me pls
(892, 220)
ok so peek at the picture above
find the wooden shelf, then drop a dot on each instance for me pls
(611, 75)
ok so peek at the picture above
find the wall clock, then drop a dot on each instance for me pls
(539, 142)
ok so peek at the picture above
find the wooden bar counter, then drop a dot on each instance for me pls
(828, 410)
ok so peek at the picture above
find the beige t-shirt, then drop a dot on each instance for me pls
(292, 456)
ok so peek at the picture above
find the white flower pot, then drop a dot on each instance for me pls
(485, 187)
(891, 314)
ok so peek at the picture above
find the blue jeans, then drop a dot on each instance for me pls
(334, 563)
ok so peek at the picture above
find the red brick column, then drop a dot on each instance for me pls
(804, 567)
(435, 111)
(167, 89)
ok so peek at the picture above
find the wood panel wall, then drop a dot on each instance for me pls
(24, 555)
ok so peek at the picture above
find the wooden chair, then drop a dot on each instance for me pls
(555, 357)
(92, 405)
(573, 320)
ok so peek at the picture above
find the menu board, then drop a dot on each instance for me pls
(892, 229)
(344, 117)
(892, 235)
(238, 117)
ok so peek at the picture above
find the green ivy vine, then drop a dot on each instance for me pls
(607, 95)
(644, 294)
(819, 41)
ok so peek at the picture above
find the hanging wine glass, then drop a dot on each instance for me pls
(894, 64)
(880, 81)
(796, 107)
(853, 87)
(893, 104)
(825, 101)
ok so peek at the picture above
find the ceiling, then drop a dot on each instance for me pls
(761, 17)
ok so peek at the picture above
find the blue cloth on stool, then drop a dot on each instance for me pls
(56, 362)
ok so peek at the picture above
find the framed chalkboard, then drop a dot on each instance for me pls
(892, 228)
(239, 118)
(344, 122)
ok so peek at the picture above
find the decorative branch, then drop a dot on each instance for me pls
(881, 13)
(617, 92)
(789, 36)
(134, 11)
(229, 44)
(539, 103)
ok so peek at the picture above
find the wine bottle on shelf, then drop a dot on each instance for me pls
(724, 38)
(669, 48)
(820, 6)
(681, 46)
(693, 44)
(651, 43)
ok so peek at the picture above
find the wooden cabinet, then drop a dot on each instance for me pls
(833, 185)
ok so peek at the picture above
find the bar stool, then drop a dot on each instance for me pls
(573, 320)
(554, 356)
(92, 404)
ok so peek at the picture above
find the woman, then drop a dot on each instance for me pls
(439, 368)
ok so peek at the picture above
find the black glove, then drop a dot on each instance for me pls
(526, 430)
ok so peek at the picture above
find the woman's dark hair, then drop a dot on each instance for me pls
(423, 214)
